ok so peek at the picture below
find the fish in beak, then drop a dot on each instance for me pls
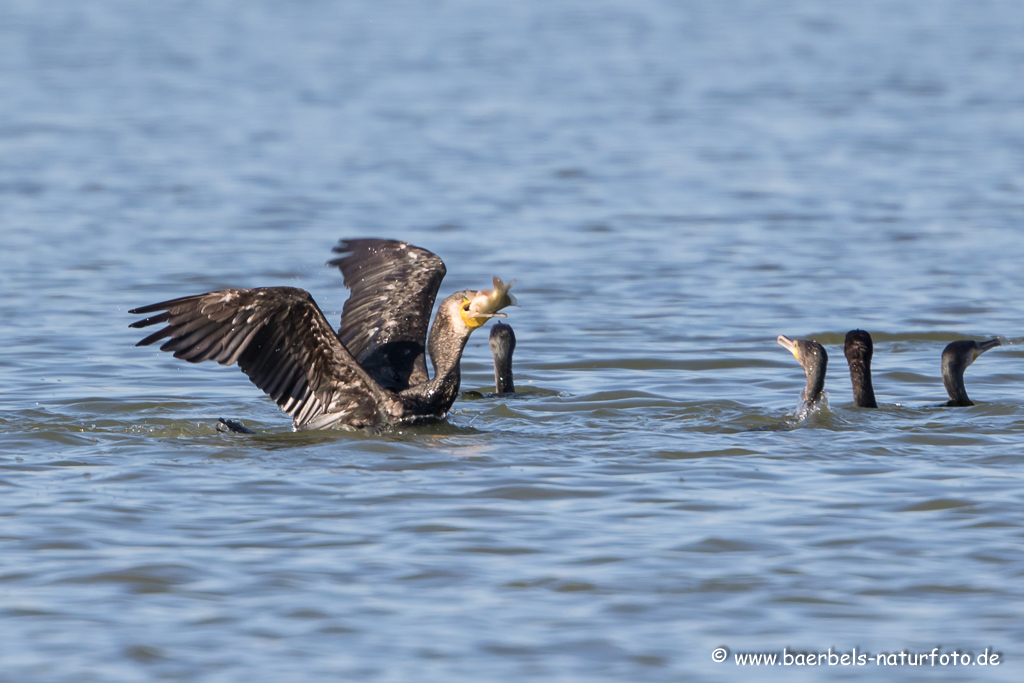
(486, 303)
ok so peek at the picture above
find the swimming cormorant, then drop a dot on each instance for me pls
(859, 349)
(373, 371)
(813, 360)
(955, 359)
(233, 426)
(503, 345)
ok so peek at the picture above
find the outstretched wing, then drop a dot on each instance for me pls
(385, 320)
(281, 340)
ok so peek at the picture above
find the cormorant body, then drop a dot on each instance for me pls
(372, 372)
(233, 426)
(859, 349)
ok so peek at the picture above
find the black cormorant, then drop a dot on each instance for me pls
(813, 360)
(503, 345)
(955, 359)
(373, 371)
(859, 349)
(232, 426)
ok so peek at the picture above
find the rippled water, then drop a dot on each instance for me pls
(672, 184)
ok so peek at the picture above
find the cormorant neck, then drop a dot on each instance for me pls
(503, 344)
(814, 360)
(503, 381)
(815, 382)
(859, 350)
(445, 343)
(953, 378)
(956, 358)
(860, 377)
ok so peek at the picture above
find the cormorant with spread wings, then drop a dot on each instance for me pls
(373, 371)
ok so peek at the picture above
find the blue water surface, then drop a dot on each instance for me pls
(672, 184)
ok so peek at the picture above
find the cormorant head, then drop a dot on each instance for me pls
(960, 354)
(810, 353)
(858, 346)
(813, 360)
(479, 307)
(502, 340)
(956, 357)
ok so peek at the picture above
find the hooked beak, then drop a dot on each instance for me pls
(790, 345)
(984, 346)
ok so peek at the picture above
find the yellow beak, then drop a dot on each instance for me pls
(790, 345)
(472, 322)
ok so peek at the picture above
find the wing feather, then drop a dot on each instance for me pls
(385, 321)
(279, 338)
